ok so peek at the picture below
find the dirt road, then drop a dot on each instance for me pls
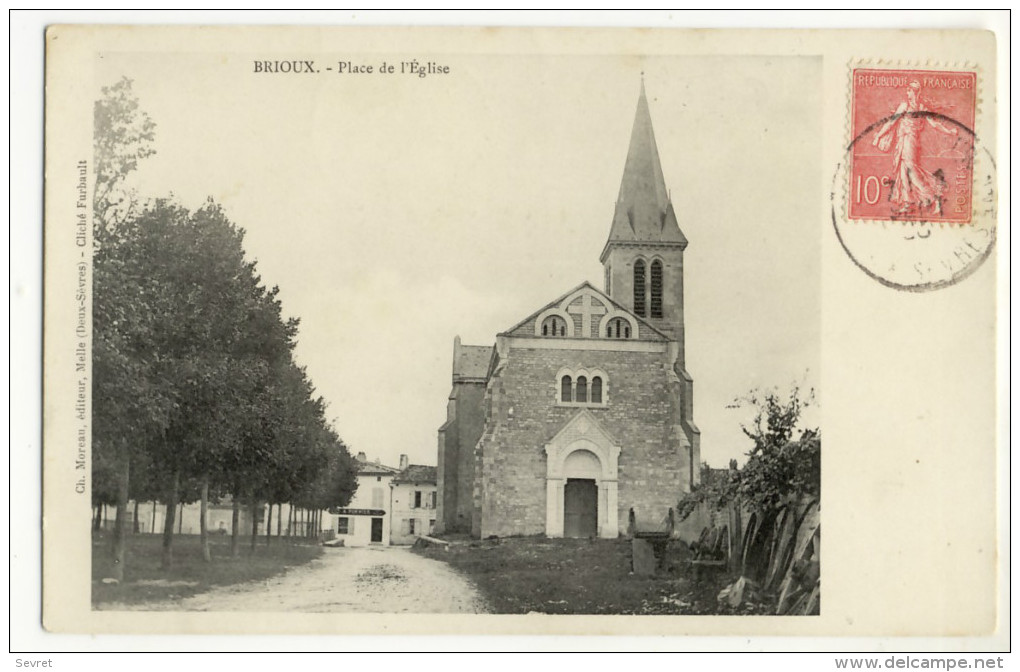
(374, 579)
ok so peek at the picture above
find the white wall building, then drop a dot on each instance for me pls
(413, 503)
(366, 520)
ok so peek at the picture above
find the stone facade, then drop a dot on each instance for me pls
(585, 410)
(458, 436)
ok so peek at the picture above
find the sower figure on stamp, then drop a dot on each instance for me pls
(913, 186)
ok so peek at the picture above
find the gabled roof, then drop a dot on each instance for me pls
(470, 362)
(644, 212)
(417, 473)
(649, 329)
(375, 468)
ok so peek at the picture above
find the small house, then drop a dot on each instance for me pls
(413, 502)
(366, 520)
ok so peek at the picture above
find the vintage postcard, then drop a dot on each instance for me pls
(523, 331)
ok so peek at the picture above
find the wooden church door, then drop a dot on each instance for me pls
(580, 508)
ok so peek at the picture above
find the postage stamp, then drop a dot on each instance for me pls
(914, 199)
(912, 155)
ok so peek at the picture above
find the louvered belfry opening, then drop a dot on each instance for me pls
(656, 289)
(639, 288)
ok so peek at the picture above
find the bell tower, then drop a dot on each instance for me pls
(644, 256)
(644, 266)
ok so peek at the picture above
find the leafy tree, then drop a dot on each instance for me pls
(128, 407)
(196, 391)
(123, 136)
(335, 479)
(104, 482)
(779, 469)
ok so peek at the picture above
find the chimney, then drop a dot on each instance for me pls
(361, 457)
(403, 462)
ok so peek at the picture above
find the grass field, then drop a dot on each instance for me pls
(144, 581)
(577, 576)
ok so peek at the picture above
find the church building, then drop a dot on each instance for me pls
(582, 412)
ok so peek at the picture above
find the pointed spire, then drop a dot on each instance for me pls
(643, 209)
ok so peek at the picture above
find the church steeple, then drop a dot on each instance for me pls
(643, 257)
(644, 212)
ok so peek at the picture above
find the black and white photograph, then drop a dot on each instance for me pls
(274, 336)
(353, 326)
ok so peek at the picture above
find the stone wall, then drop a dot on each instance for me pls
(621, 264)
(457, 439)
(470, 423)
(446, 472)
(522, 398)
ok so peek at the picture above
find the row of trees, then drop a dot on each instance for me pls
(196, 393)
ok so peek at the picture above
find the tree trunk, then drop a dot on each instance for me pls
(279, 518)
(153, 528)
(254, 525)
(121, 522)
(168, 527)
(180, 520)
(269, 524)
(290, 519)
(134, 518)
(106, 519)
(203, 525)
(235, 521)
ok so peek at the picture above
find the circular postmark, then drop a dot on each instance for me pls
(914, 198)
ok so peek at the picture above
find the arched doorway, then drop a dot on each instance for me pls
(581, 471)
(581, 486)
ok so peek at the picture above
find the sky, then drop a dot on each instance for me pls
(396, 212)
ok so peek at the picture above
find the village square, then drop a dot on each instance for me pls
(569, 475)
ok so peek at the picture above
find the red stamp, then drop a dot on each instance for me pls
(912, 155)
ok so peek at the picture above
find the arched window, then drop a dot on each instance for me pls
(554, 326)
(618, 328)
(639, 288)
(582, 387)
(656, 310)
